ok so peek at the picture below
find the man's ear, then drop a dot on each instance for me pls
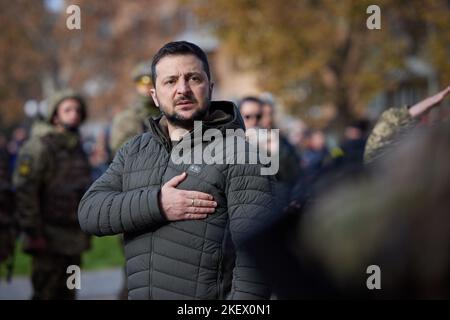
(154, 97)
(211, 87)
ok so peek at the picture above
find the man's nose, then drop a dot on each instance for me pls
(183, 86)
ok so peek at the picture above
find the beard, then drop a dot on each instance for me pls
(178, 120)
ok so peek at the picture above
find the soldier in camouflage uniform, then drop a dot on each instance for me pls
(132, 121)
(395, 123)
(52, 174)
(7, 234)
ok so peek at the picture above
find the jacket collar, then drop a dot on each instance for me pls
(222, 115)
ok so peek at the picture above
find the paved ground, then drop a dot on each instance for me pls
(95, 285)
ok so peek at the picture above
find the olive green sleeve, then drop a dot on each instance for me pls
(106, 209)
(124, 127)
(28, 177)
(392, 124)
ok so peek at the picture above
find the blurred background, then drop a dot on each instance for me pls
(315, 60)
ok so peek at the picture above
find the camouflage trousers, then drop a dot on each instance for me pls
(49, 276)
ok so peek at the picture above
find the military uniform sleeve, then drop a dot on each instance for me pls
(250, 201)
(124, 127)
(28, 178)
(106, 209)
(392, 124)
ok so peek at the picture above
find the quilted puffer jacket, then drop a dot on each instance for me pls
(189, 259)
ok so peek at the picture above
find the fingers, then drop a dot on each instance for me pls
(175, 181)
(200, 210)
(198, 195)
(425, 105)
(442, 94)
(194, 216)
(200, 203)
(446, 91)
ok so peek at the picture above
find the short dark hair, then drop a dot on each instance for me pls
(180, 48)
(250, 99)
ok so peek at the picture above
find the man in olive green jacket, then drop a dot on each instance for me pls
(186, 225)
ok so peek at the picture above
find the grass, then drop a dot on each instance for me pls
(105, 252)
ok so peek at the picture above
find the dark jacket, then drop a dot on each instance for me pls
(52, 174)
(191, 259)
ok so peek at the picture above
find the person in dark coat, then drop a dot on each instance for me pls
(185, 223)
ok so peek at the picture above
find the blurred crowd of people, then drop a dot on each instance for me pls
(380, 199)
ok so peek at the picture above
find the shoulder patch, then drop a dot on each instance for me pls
(24, 165)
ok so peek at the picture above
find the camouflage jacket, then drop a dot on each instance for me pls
(51, 176)
(392, 125)
(131, 122)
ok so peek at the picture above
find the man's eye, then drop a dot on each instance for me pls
(172, 81)
(195, 79)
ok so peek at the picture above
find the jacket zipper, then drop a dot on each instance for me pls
(219, 278)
